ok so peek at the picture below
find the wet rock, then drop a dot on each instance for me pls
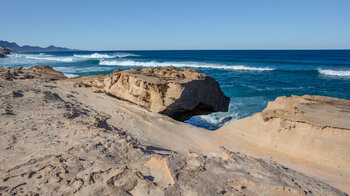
(226, 119)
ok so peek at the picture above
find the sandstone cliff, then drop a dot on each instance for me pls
(179, 94)
(307, 130)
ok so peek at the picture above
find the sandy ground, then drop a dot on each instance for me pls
(59, 140)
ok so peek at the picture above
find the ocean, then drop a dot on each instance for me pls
(250, 78)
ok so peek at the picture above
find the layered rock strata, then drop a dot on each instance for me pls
(179, 94)
(306, 130)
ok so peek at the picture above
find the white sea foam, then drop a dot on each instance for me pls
(239, 107)
(76, 70)
(184, 64)
(103, 56)
(70, 75)
(43, 57)
(330, 72)
(94, 56)
(217, 118)
(16, 56)
(49, 58)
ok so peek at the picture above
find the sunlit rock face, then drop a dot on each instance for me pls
(179, 94)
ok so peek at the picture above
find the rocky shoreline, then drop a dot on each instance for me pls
(4, 51)
(67, 136)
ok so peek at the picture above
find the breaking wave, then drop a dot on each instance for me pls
(61, 59)
(71, 75)
(81, 70)
(186, 64)
(330, 72)
(103, 56)
(43, 57)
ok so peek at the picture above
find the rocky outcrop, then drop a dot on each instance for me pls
(4, 51)
(314, 110)
(179, 94)
(48, 72)
(309, 130)
(38, 71)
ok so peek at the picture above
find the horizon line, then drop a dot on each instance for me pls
(81, 50)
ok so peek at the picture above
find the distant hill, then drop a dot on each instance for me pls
(15, 47)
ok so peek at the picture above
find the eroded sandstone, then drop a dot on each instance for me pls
(306, 130)
(179, 94)
(48, 72)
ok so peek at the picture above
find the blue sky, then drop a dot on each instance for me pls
(178, 24)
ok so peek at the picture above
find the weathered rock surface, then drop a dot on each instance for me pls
(44, 151)
(48, 72)
(331, 112)
(38, 71)
(179, 94)
(307, 130)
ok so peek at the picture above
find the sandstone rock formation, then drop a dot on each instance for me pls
(38, 71)
(60, 140)
(48, 72)
(307, 130)
(179, 94)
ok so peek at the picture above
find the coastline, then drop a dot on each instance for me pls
(163, 135)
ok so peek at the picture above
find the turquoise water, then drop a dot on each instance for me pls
(250, 78)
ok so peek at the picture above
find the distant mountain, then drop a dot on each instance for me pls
(15, 47)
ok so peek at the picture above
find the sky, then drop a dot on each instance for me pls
(177, 24)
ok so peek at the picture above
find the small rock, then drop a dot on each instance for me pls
(51, 96)
(100, 122)
(16, 94)
(226, 119)
(71, 113)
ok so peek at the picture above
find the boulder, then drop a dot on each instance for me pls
(179, 94)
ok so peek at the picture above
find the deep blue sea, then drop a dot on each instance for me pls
(250, 78)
